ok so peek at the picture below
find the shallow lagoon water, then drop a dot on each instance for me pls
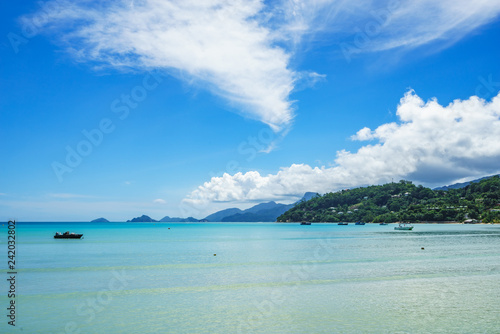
(255, 278)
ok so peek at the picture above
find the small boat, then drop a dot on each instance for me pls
(383, 224)
(67, 235)
(305, 223)
(342, 223)
(360, 223)
(404, 227)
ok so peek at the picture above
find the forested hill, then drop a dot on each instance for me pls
(402, 201)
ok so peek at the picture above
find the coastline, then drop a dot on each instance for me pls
(416, 223)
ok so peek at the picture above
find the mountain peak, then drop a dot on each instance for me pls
(463, 184)
(307, 196)
(141, 219)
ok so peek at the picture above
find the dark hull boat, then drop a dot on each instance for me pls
(305, 223)
(67, 235)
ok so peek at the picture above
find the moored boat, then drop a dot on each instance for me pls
(383, 224)
(360, 223)
(67, 235)
(305, 223)
(342, 223)
(404, 227)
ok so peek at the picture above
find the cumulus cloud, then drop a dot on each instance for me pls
(430, 143)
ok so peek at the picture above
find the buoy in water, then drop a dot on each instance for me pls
(215, 254)
(422, 248)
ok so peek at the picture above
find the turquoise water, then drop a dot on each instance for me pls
(265, 278)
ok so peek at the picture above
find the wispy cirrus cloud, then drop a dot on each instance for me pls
(220, 44)
(415, 23)
(242, 49)
(430, 143)
(362, 27)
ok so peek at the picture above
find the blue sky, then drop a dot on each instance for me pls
(190, 108)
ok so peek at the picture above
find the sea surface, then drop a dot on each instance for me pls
(253, 278)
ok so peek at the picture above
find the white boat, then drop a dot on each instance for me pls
(404, 227)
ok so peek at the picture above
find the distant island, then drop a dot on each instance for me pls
(403, 201)
(100, 220)
(263, 212)
(166, 219)
(142, 219)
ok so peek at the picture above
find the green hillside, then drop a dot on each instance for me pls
(402, 201)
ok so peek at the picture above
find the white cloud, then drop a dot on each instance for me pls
(368, 26)
(241, 49)
(219, 43)
(159, 201)
(363, 134)
(431, 144)
(417, 22)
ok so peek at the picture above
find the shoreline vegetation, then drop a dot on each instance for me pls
(474, 202)
(403, 202)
